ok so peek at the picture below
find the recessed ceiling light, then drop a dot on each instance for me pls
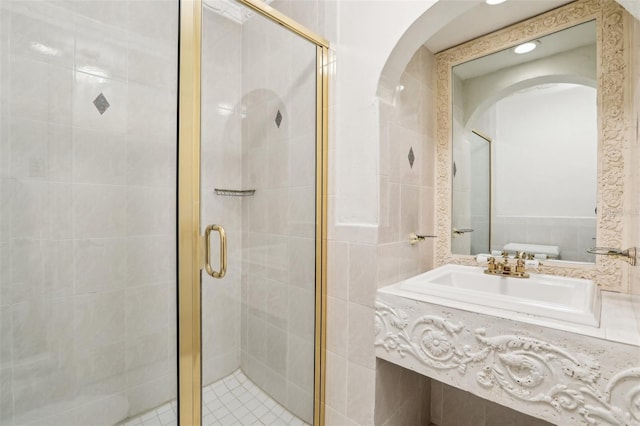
(525, 47)
(494, 2)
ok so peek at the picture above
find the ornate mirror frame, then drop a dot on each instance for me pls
(612, 26)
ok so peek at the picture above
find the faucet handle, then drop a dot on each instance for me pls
(523, 255)
(491, 264)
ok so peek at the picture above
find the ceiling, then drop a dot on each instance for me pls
(549, 45)
(483, 19)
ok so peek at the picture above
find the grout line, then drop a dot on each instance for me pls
(242, 385)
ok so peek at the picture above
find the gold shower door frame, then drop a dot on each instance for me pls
(191, 243)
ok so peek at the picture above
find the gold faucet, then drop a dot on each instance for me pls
(506, 269)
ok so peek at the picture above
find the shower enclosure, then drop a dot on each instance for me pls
(111, 151)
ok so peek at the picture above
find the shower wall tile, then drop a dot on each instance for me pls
(101, 412)
(6, 338)
(29, 209)
(146, 309)
(57, 259)
(146, 260)
(301, 305)
(150, 161)
(298, 399)
(29, 148)
(99, 265)
(31, 37)
(150, 211)
(151, 67)
(71, 217)
(40, 91)
(98, 157)
(26, 269)
(148, 110)
(147, 357)
(101, 372)
(146, 396)
(301, 354)
(59, 149)
(29, 334)
(301, 155)
(99, 56)
(100, 319)
(302, 203)
(86, 87)
(6, 396)
(60, 197)
(301, 273)
(99, 211)
(101, 13)
(160, 25)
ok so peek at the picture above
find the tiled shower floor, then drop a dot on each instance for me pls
(231, 401)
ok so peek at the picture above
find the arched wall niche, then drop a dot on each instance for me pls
(425, 26)
(608, 272)
(613, 29)
(478, 108)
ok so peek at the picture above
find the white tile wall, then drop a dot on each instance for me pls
(356, 270)
(88, 202)
(451, 406)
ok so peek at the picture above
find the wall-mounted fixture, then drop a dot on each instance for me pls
(629, 254)
(235, 192)
(414, 238)
(456, 231)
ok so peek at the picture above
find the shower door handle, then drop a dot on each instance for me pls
(223, 251)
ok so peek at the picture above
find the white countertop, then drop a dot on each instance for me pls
(619, 318)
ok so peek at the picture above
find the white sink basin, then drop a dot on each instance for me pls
(547, 296)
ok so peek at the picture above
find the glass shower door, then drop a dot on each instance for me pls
(259, 205)
(88, 94)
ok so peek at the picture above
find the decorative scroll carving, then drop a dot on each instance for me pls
(613, 128)
(531, 370)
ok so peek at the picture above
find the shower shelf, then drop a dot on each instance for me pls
(235, 192)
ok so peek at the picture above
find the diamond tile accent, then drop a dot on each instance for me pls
(278, 119)
(101, 103)
(411, 157)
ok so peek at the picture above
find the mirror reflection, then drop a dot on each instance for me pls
(525, 149)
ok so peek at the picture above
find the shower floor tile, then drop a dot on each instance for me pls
(231, 401)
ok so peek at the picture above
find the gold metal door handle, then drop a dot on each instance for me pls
(223, 251)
